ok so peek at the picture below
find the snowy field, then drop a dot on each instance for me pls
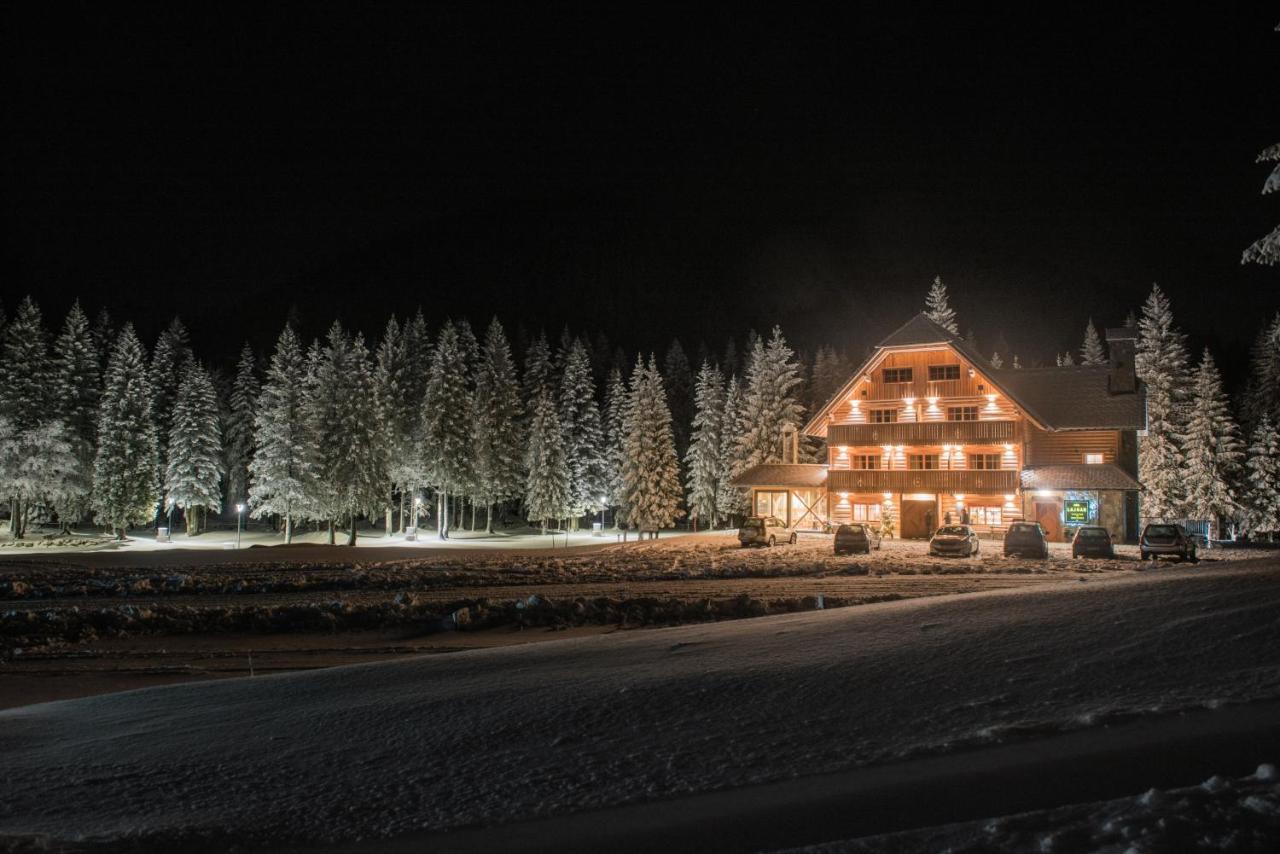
(496, 736)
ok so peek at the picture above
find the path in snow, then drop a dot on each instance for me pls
(517, 733)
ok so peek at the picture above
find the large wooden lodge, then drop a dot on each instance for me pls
(928, 430)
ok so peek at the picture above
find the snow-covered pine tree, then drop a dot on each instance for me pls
(280, 472)
(168, 362)
(769, 405)
(345, 441)
(238, 432)
(1262, 395)
(77, 389)
(1017, 366)
(583, 435)
(537, 370)
(1262, 487)
(1091, 351)
(1065, 360)
(39, 468)
(1266, 250)
(996, 361)
(938, 308)
(394, 425)
(650, 475)
(830, 371)
(1161, 364)
(104, 338)
(1211, 448)
(26, 397)
(496, 415)
(546, 495)
(614, 417)
(677, 376)
(194, 469)
(733, 501)
(124, 471)
(705, 458)
(445, 433)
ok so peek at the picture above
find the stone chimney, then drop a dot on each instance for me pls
(1121, 349)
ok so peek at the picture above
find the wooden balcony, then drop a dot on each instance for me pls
(924, 433)
(921, 480)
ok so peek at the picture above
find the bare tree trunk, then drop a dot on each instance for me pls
(488, 517)
(288, 527)
(331, 532)
(351, 535)
(391, 500)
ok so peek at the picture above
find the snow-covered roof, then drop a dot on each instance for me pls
(1104, 476)
(1069, 398)
(793, 475)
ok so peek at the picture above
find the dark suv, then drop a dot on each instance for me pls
(1167, 539)
(856, 538)
(1026, 539)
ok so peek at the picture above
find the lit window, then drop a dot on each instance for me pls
(980, 515)
(866, 512)
(987, 462)
(866, 461)
(884, 416)
(922, 461)
(939, 373)
(897, 375)
(962, 413)
(1093, 459)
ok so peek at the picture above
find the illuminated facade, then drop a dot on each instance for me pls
(927, 430)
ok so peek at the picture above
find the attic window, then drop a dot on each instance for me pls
(1093, 459)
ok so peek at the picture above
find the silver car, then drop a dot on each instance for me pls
(765, 531)
(954, 541)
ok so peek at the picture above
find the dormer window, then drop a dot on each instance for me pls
(942, 373)
(897, 375)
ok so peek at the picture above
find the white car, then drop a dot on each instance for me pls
(765, 531)
(954, 541)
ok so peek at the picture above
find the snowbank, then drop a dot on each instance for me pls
(507, 734)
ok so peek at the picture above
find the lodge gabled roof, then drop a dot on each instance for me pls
(1070, 398)
(1106, 476)
(793, 475)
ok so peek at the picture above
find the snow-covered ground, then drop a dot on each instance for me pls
(503, 735)
(1220, 814)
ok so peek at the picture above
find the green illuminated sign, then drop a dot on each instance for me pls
(1076, 511)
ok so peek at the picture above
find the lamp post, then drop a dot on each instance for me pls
(239, 520)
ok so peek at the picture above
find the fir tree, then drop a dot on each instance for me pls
(996, 361)
(25, 389)
(733, 501)
(1262, 395)
(650, 475)
(495, 423)
(194, 469)
(1017, 366)
(537, 375)
(1064, 360)
(547, 485)
(1161, 364)
(938, 309)
(830, 372)
(583, 435)
(77, 391)
(1262, 489)
(614, 417)
(706, 457)
(769, 405)
(395, 420)
(104, 338)
(1211, 447)
(124, 471)
(445, 433)
(238, 429)
(349, 466)
(1266, 250)
(40, 469)
(678, 378)
(1091, 351)
(168, 362)
(280, 471)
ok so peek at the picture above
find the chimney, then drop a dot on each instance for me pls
(1122, 377)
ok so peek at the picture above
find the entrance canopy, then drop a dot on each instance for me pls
(784, 476)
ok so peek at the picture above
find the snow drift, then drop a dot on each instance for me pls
(507, 734)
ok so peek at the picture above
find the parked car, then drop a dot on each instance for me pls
(765, 531)
(856, 538)
(1026, 539)
(1092, 541)
(954, 541)
(1164, 539)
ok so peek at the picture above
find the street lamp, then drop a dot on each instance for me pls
(239, 520)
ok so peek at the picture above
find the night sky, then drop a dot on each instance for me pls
(645, 175)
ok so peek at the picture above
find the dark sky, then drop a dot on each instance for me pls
(648, 175)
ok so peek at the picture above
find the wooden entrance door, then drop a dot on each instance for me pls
(1049, 515)
(919, 518)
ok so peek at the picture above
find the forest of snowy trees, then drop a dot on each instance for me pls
(447, 429)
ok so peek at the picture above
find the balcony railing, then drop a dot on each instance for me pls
(923, 433)
(923, 480)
